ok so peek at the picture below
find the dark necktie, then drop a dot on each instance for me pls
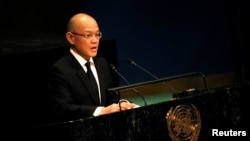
(92, 80)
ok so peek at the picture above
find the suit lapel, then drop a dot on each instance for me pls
(86, 83)
(101, 79)
(84, 78)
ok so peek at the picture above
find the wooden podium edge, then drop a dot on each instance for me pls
(182, 84)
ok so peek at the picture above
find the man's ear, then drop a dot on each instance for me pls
(70, 37)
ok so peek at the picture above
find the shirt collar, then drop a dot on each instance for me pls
(80, 59)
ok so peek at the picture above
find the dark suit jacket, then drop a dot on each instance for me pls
(69, 88)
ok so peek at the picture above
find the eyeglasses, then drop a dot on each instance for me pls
(89, 35)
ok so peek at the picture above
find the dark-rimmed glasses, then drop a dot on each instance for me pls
(89, 35)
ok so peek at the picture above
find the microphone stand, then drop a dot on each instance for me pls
(152, 75)
(124, 79)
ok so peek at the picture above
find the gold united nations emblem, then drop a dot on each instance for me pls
(183, 123)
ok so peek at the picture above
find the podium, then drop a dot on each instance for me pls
(189, 116)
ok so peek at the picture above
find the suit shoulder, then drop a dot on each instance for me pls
(100, 60)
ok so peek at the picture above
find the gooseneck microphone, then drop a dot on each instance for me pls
(132, 62)
(124, 79)
(114, 69)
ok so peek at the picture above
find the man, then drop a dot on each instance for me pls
(70, 88)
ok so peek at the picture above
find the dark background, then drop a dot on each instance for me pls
(165, 37)
(177, 36)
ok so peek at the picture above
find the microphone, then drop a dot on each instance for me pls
(113, 68)
(131, 61)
